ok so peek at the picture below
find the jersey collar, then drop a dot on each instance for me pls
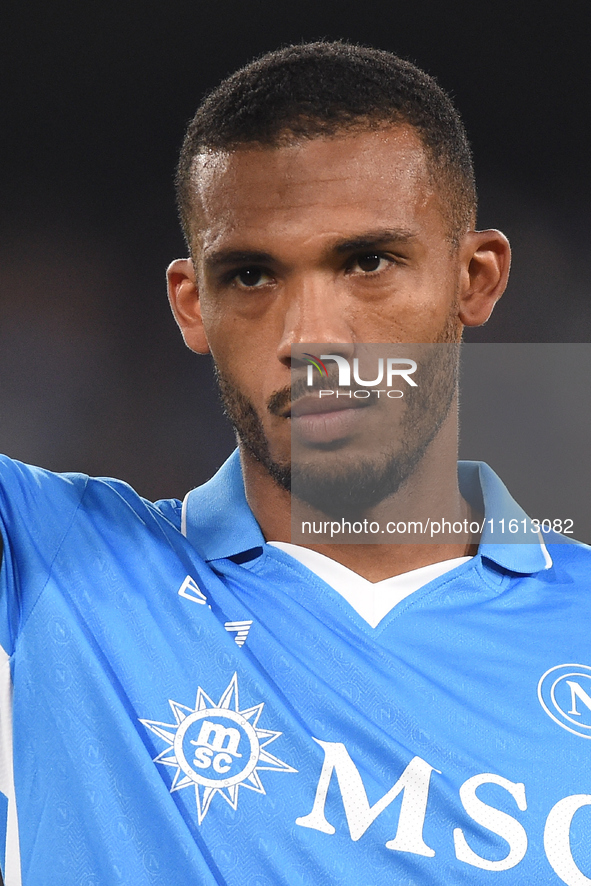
(217, 519)
(218, 522)
(482, 488)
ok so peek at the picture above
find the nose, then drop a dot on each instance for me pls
(313, 317)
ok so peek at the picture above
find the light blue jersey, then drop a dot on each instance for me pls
(185, 704)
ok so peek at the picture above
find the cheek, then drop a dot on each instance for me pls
(226, 340)
(418, 315)
(432, 304)
(241, 364)
(245, 350)
(235, 324)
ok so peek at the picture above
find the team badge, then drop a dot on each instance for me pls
(216, 748)
(564, 692)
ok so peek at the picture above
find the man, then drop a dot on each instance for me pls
(196, 700)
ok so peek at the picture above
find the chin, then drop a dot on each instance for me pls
(352, 490)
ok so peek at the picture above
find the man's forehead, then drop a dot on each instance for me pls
(365, 173)
(393, 153)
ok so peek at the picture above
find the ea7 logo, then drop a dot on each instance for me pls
(565, 694)
(191, 591)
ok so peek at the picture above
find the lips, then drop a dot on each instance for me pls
(326, 420)
(311, 405)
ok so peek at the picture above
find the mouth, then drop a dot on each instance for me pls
(326, 419)
(335, 401)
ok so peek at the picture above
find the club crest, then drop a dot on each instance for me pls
(564, 693)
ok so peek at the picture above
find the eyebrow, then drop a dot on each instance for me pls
(375, 239)
(237, 257)
(368, 240)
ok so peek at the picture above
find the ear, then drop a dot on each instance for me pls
(485, 258)
(183, 296)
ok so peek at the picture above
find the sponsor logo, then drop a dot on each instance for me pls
(339, 774)
(190, 590)
(216, 748)
(240, 630)
(564, 692)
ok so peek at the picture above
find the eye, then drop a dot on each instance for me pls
(250, 278)
(368, 263)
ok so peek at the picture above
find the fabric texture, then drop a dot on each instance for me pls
(192, 705)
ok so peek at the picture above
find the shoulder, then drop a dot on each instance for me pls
(47, 517)
(38, 508)
(28, 489)
(31, 483)
(569, 557)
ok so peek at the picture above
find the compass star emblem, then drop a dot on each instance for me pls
(216, 748)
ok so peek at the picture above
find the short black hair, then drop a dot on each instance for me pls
(321, 89)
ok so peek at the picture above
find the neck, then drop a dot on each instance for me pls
(431, 492)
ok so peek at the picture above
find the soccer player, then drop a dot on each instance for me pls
(189, 698)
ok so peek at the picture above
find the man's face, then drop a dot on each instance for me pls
(330, 240)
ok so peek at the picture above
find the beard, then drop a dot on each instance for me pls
(249, 427)
(350, 490)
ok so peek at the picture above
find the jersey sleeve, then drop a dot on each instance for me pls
(36, 510)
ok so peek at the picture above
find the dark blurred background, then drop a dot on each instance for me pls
(95, 98)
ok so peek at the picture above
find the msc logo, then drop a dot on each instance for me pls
(565, 694)
(216, 744)
(216, 747)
